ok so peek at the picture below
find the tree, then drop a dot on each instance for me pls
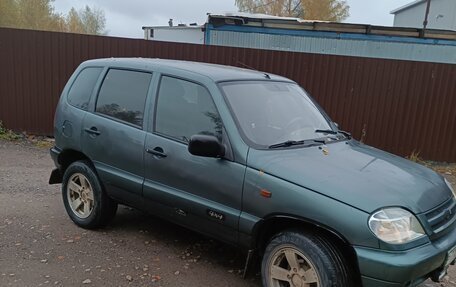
(93, 20)
(286, 8)
(73, 22)
(8, 13)
(327, 10)
(37, 15)
(86, 21)
(40, 15)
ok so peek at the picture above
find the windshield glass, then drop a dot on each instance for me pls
(273, 112)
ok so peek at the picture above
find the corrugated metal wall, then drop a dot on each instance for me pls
(337, 46)
(403, 105)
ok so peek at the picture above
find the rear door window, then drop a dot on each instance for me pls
(123, 95)
(82, 88)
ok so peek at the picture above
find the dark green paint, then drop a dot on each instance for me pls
(336, 191)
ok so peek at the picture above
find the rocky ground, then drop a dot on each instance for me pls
(40, 246)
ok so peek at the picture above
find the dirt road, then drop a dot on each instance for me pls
(40, 246)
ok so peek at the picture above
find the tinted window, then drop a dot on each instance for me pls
(123, 95)
(185, 109)
(81, 90)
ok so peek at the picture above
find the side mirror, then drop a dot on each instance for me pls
(205, 145)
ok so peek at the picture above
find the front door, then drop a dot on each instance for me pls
(201, 193)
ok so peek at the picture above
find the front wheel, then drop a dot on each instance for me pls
(297, 259)
(85, 200)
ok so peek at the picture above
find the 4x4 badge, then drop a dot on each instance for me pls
(216, 215)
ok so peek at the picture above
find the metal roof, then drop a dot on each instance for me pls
(217, 73)
(407, 6)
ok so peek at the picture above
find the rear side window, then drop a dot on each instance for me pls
(123, 95)
(185, 109)
(82, 88)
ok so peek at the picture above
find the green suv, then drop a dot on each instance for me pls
(249, 158)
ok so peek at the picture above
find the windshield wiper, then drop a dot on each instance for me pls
(331, 132)
(301, 142)
(346, 134)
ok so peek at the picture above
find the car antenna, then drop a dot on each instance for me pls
(244, 65)
(266, 75)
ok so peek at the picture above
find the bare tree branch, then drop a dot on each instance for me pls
(329, 10)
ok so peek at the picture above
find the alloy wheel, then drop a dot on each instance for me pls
(289, 267)
(80, 195)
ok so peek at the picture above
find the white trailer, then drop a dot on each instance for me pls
(184, 34)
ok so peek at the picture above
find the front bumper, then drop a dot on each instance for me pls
(404, 268)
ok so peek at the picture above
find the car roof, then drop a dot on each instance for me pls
(218, 73)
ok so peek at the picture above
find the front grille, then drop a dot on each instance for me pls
(442, 217)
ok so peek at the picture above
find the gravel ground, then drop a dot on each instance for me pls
(40, 246)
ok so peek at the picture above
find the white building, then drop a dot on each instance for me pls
(442, 14)
(182, 33)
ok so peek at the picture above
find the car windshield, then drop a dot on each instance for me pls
(273, 112)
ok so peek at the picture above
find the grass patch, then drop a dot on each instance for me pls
(38, 141)
(6, 134)
(43, 143)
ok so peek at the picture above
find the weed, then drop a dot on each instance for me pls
(6, 134)
(363, 134)
(43, 143)
(415, 157)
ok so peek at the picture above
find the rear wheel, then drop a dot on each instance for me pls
(85, 201)
(297, 259)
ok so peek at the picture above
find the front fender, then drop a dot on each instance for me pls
(291, 200)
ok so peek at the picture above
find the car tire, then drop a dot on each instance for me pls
(295, 258)
(85, 200)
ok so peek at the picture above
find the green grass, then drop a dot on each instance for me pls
(9, 135)
(6, 134)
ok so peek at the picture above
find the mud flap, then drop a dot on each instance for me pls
(249, 261)
(56, 177)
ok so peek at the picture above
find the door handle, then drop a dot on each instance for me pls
(92, 130)
(157, 151)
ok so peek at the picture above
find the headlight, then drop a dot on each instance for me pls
(395, 225)
(450, 187)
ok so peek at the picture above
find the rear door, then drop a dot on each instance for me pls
(201, 193)
(69, 118)
(113, 135)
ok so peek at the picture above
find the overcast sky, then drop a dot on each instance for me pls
(126, 18)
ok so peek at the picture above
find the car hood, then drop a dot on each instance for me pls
(356, 174)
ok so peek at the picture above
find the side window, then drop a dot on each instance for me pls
(82, 88)
(123, 95)
(185, 109)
